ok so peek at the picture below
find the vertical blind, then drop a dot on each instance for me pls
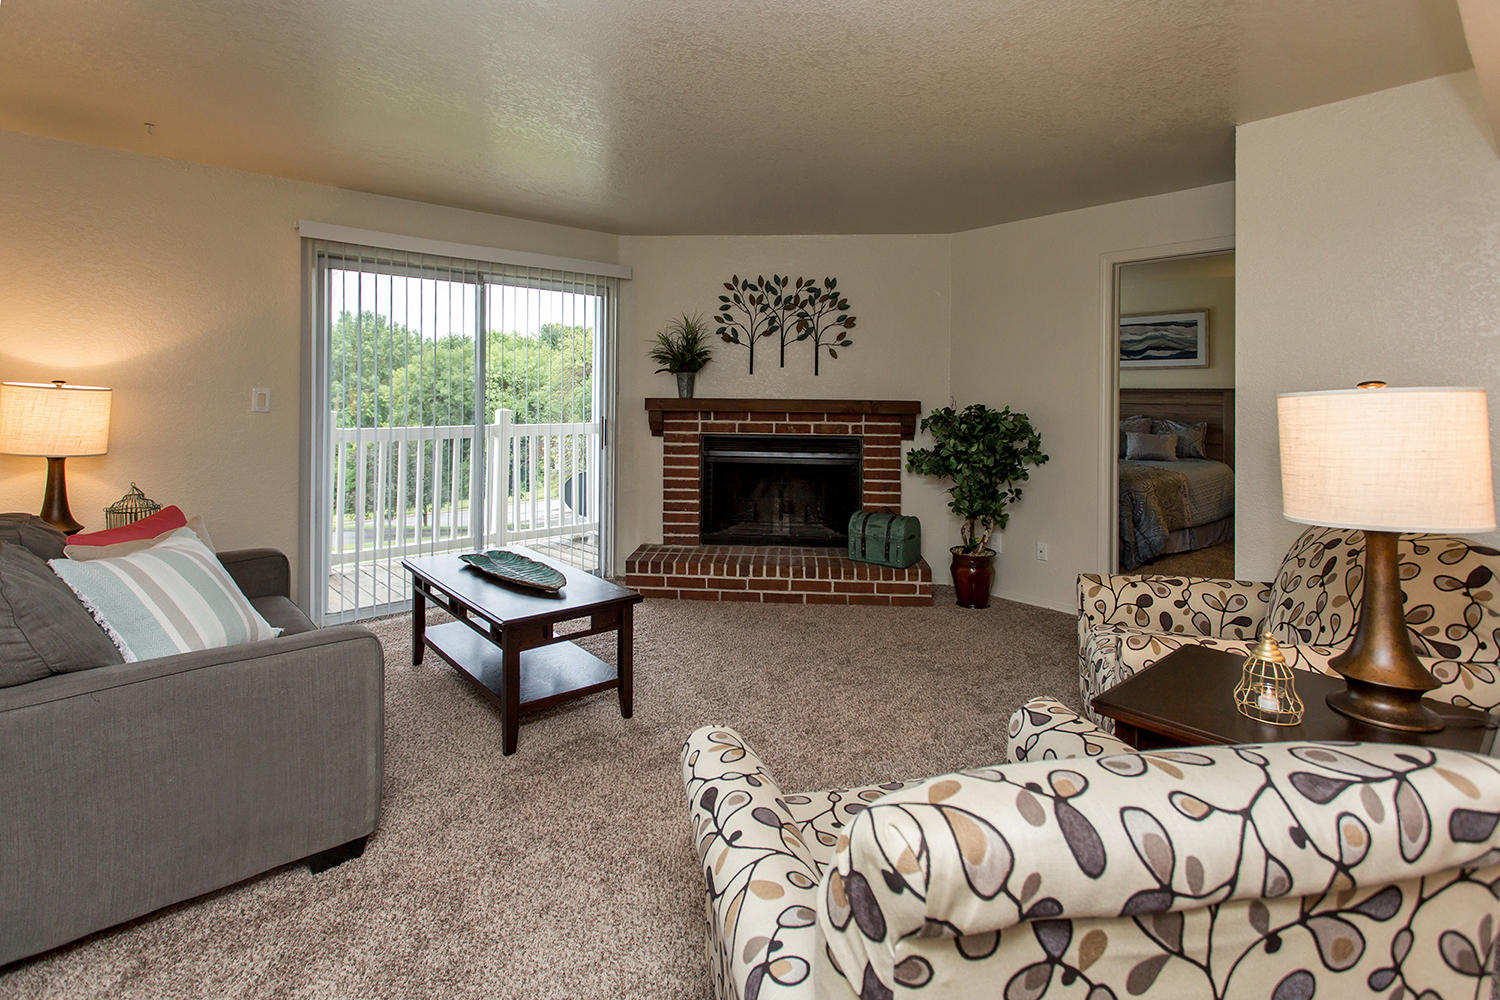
(453, 405)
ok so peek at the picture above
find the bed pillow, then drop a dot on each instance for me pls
(1151, 447)
(1190, 437)
(158, 524)
(83, 553)
(172, 597)
(1133, 425)
(43, 628)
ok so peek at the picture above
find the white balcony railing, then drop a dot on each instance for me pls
(411, 488)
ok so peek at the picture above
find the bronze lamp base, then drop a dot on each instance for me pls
(55, 501)
(1385, 680)
(1388, 708)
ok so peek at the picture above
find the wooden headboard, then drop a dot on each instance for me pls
(1214, 407)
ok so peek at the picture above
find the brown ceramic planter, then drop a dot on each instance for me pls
(973, 575)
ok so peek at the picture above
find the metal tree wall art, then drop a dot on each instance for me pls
(784, 306)
(797, 310)
(824, 317)
(745, 313)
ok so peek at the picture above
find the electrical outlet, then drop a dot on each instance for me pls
(260, 400)
(1041, 551)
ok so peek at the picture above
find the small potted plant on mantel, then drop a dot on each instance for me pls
(682, 349)
(985, 452)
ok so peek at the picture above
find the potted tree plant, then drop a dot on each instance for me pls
(986, 453)
(682, 349)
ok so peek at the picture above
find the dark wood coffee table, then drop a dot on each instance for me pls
(504, 640)
(1187, 699)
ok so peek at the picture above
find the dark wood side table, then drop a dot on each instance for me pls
(504, 640)
(1187, 699)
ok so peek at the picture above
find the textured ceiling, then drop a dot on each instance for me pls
(689, 116)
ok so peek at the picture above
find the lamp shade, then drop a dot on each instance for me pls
(53, 420)
(1387, 459)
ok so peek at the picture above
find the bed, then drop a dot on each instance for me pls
(1177, 506)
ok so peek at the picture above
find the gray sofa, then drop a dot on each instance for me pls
(128, 787)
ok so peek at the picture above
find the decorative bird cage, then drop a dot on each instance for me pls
(1266, 691)
(130, 508)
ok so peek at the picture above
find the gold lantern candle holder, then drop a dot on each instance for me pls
(1266, 691)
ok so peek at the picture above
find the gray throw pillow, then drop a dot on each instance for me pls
(36, 535)
(43, 628)
(1190, 437)
(1151, 447)
(1133, 425)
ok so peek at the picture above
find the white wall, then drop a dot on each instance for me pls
(1027, 332)
(178, 285)
(1184, 284)
(1368, 239)
(897, 288)
(1368, 245)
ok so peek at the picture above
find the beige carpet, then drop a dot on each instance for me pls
(566, 870)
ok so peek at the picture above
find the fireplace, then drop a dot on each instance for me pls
(756, 498)
(779, 489)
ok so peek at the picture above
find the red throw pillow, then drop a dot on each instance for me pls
(165, 520)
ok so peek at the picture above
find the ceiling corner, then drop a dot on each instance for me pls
(1481, 20)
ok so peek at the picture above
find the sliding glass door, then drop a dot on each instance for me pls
(462, 407)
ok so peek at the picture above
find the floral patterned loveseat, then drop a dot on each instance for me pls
(1276, 871)
(1452, 600)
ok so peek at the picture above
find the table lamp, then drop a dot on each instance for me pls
(55, 421)
(1385, 461)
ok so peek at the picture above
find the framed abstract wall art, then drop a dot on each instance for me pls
(1164, 340)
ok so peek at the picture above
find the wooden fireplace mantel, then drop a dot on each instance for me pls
(905, 409)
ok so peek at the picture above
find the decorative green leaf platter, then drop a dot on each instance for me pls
(512, 567)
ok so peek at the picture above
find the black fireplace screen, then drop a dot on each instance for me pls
(778, 489)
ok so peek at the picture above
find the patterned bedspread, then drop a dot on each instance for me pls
(1158, 498)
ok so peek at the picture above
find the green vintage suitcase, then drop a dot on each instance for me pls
(885, 538)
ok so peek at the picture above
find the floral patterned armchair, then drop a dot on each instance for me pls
(1271, 871)
(1126, 623)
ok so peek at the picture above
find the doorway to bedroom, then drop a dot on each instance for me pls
(1173, 495)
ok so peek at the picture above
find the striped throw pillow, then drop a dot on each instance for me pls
(170, 598)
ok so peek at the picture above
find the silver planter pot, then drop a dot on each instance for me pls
(685, 384)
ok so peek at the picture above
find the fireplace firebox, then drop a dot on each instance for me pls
(779, 489)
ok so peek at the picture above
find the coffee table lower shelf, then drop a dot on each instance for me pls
(549, 674)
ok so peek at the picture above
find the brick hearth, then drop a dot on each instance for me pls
(772, 575)
(681, 567)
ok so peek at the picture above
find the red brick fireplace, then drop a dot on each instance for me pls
(683, 567)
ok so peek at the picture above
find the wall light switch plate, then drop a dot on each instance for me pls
(260, 400)
(1041, 551)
